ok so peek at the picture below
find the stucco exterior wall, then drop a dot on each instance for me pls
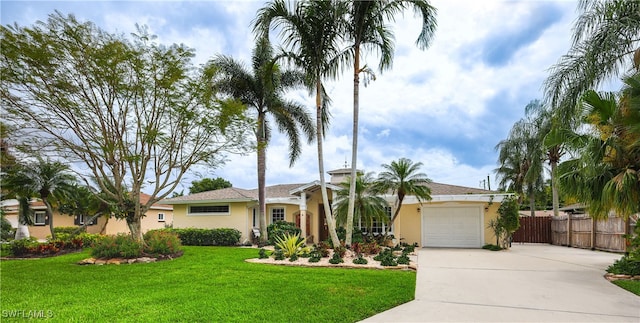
(408, 225)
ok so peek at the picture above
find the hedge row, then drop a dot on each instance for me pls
(206, 237)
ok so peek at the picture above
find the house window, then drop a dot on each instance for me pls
(40, 218)
(160, 217)
(254, 217)
(81, 220)
(220, 209)
(378, 227)
(277, 214)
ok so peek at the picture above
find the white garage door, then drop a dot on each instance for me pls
(454, 227)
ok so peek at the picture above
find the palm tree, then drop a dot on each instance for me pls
(554, 135)
(369, 206)
(262, 89)
(13, 187)
(606, 175)
(521, 158)
(44, 179)
(605, 42)
(368, 29)
(311, 33)
(403, 178)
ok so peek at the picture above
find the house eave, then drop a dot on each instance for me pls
(498, 198)
(206, 201)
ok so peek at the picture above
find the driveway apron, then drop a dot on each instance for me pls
(528, 283)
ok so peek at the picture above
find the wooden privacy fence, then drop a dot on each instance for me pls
(534, 230)
(586, 233)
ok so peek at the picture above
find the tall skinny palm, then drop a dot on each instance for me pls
(605, 39)
(368, 29)
(369, 206)
(402, 178)
(262, 89)
(311, 35)
(521, 158)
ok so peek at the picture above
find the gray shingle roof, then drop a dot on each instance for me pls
(282, 191)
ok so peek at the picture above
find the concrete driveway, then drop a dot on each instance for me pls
(528, 283)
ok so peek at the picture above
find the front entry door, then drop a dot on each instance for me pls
(323, 229)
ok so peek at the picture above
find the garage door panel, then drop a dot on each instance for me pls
(459, 227)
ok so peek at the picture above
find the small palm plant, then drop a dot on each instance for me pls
(291, 245)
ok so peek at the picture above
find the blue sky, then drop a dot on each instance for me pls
(447, 106)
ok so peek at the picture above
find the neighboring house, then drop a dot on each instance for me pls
(455, 217)
(157, 217)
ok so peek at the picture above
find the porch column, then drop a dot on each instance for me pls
(303, 214)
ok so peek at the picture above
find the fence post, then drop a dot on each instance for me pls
(593, 233)
(568, 229)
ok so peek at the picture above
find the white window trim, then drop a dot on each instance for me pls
(81, 219)
(209, 213)
(161, 217)
(284, 213)
(35, 218)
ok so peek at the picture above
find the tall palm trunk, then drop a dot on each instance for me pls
(331, 223)
(532, 201)
(354, 146)
(554, 188)
(262, 166)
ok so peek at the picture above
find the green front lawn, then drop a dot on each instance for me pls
(630, 285)
(206, 284)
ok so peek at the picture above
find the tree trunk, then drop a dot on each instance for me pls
(103, 230)
(532, 202)
(331, 223)
(262, 166)
(554, 189)
(49, 213)
(354, 146)
(135, 226)
(22, 232)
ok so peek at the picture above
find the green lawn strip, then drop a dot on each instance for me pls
(630, 285)
(206, 284)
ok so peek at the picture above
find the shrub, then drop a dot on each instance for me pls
(314, 258)
(403, 260)
(386, 258)
(625, 266)
(88, 239)
(293, 257)
(279, 228)
(206, 237)
(360, 261)
(278, 254)
(226, 236)
(340, 250)
(371, 248)
(7, 232)
(262, 254)
(66, 230)
(336, 259)
(162, 243)
(492, 247)
(289, 244)
(118, 246)
(23, 247)
(323, 248)
(410, 248)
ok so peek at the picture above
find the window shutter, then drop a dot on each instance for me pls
(46, 219)
(76, 220)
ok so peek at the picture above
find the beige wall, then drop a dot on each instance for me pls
(114, 226)
(408, 225)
